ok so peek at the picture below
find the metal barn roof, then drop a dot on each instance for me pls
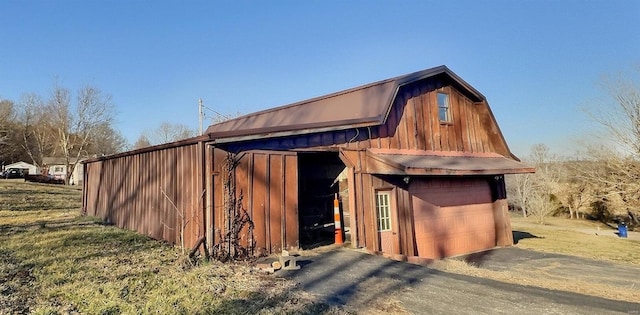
(367, 105)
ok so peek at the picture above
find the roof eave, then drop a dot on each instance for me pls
(231, 137)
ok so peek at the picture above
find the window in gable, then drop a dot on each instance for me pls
(444, 110)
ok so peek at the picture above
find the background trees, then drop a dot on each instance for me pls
(603, 181)
(166, 132)
(64, 124)
(536, 194)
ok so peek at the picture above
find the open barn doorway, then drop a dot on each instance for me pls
(319, 182)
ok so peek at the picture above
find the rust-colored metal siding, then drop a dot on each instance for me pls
(149, 192)
(268, 184)
(437, 216)
(413, 123)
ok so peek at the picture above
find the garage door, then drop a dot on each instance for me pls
(452, 216)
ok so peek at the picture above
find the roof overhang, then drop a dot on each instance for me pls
(412, 162)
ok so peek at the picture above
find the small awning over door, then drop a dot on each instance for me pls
(414, 162)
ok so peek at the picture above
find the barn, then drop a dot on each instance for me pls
(417, 163)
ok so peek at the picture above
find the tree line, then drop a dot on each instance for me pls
(71, 126)
(602, 180)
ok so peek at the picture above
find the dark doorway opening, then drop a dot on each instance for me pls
(318, 184)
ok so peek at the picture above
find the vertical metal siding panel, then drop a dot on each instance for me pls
(369, 213)
(165, 218)
(432, 107)
(485, 123)
(464, 128)
(98, 182)
(258, 184)
(292, 240)
(126, 192)
(155, 217)
(189, 198)
(135, 198)
(407, 227)
(401, 129)
(183, 192)
(191, 169)
(383, 143)
(267, 203)
(171, 183)
(353, 212)
(88, 187)
(359, 199)
(276, 186)
(210, 198)
(408, 140)
(393, 128)
(179, 188)
(410, 120)
(168, 182)
(144, 191)
(452, 137)
(458, 112)
(419, 125)
(111, 200)
(472, 129)
(480, 132)
(218, 201)
(427, 117)
(243, 190)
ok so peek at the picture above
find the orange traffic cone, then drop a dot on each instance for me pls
(336, 217)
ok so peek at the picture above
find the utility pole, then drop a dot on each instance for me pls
(200, 117)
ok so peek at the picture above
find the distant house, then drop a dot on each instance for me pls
(56, 167)
(24, 166)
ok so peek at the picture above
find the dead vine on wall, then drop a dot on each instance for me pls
(236, 242)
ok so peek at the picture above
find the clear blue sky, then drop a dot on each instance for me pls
(537, 62)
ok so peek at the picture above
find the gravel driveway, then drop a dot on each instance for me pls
(364, 283)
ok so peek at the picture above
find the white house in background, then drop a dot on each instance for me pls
(30, 168)
(56, 167)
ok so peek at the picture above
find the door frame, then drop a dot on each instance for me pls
(393, 217)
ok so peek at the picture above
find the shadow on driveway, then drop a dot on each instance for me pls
(359, 282)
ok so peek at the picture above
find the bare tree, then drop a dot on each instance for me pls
(535, 193)
(75, 126)
(543, 201)
(620, 115)
(168, 132)
(142, 142)
(520, 187)
(616, 167)
(7, 113)
(36, 132)
(106, 140)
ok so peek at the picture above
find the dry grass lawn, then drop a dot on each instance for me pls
(53, 261)
(568, 237)
(580, 238)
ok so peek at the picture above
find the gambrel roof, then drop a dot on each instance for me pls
(363, 106)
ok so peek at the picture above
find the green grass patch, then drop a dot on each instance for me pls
(54, 261)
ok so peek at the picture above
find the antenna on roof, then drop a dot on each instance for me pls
(200, 116)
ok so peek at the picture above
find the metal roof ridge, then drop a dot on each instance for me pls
(436, 153)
